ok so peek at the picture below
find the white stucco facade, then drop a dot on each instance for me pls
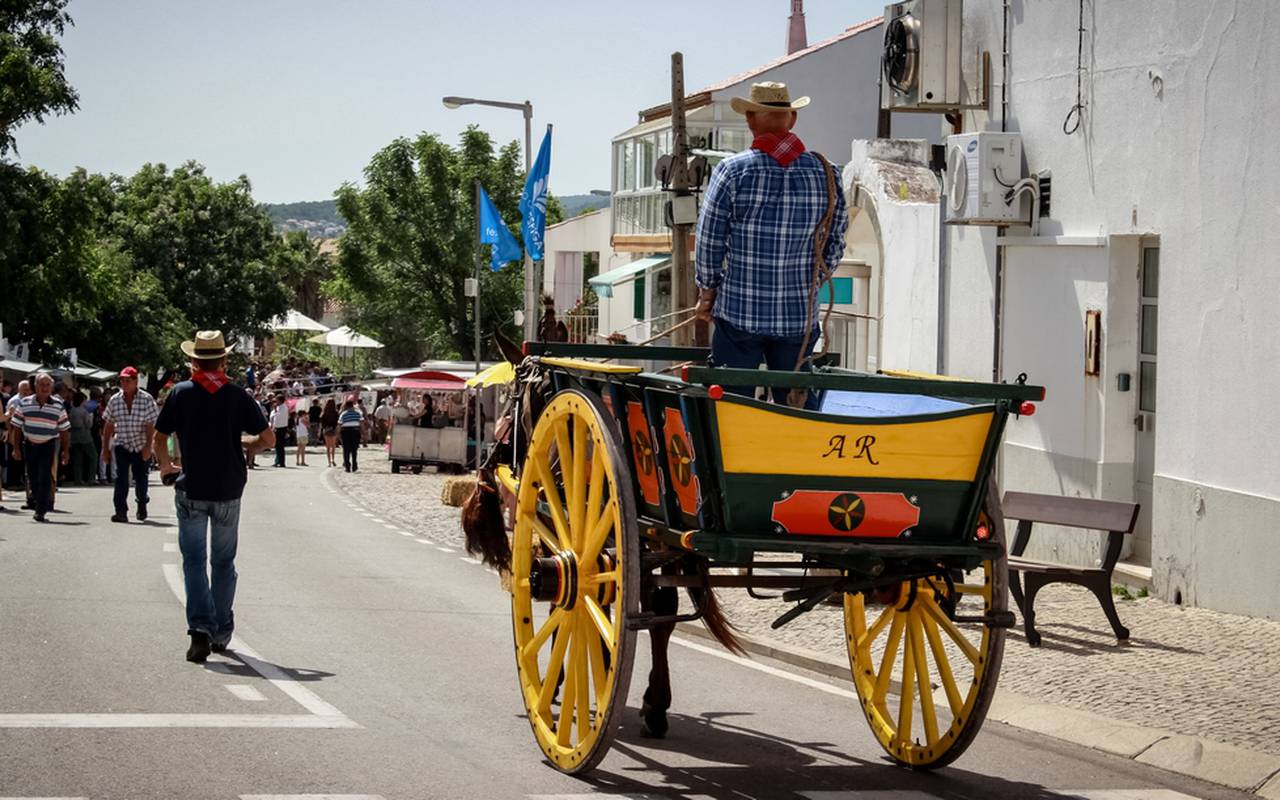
(1170, 174)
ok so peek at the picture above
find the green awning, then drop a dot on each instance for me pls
(603, 283)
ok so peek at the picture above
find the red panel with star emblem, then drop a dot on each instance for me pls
(879, 515)
(680, 458)
(642, 451)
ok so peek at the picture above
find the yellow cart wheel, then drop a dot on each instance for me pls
(575, 569)
(925, 682)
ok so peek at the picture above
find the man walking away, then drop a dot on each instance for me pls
(130, 418)
(84, 456)
(215, 421)
(280, 425)
(764, 213)
(38, 426)
(349, 421)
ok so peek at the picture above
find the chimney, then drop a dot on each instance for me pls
(796, 39)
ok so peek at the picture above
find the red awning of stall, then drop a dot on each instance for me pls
(429, 380)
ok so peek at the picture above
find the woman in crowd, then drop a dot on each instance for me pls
(329, 426)
(303, 435)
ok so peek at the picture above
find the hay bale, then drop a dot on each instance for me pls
(457, 489)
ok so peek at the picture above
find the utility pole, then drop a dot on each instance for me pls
(684, 205)
(479, 390)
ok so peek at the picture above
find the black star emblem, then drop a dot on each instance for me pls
(846, 512)
(681, 460)
(644, 453)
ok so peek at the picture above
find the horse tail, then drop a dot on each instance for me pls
(712, 615)
(482, 522)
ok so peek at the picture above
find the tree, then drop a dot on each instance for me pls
(411, 242)
(208, 245)
(32, 83)
(48, 230)
(304, 269)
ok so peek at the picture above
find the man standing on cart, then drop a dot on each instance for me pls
(755, 259)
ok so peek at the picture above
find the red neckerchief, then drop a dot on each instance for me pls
(781, 147)
(211, 382)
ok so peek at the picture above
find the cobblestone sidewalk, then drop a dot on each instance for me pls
(1188, 670)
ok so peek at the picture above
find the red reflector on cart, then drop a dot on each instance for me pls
(527, 348)
(715, 391)
(1027, 408)
(983, 533)
(684, 374)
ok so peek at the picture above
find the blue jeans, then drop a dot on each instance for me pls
(734, 347)
(209, 597)
(127, 461)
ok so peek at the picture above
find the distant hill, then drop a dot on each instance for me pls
(575, 204)
(319, 218)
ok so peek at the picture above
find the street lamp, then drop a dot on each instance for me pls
(530, 299)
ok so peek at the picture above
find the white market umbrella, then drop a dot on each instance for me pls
(296, 321)
(345, 337)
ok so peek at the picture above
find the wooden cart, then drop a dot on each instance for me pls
(883, 499)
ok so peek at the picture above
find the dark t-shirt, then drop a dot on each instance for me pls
(208, 428)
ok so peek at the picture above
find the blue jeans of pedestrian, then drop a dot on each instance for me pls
(208, 533)
(128, 462)
(39, 458)
(734, 347)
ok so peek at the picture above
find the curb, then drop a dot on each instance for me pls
(1194, 756)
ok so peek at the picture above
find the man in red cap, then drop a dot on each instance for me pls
(130, 419)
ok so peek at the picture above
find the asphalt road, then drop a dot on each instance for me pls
(371, 663)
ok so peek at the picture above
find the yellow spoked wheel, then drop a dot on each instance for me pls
(575, 570)
(925, 681)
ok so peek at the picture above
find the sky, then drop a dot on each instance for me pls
(299, 94)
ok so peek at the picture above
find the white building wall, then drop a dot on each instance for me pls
(842, 81)
(565, 242)
(1176, 142)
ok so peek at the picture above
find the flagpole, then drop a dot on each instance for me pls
(530, 299)
(479, 389)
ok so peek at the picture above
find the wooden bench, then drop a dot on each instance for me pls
(1117, 518)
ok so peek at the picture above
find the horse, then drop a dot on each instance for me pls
(484, 525)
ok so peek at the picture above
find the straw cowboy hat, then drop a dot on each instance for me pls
(208, 344)
(768, 96)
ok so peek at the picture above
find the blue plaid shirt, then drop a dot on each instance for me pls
(755, 240)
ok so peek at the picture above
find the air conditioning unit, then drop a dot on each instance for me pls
(921, 58)
(982, 168)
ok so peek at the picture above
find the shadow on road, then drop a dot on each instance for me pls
(241, 668)
(738, 762)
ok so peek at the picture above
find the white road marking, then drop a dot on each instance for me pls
(469, 560)
(423, 541)
(171, 547)
(404, 533)
(273, 674)
(246, 692)
(172, 721)
(311, 798)
(768, 670)
(443, 549)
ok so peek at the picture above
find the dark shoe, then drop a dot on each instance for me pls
(219, 647)
(199, 649)
(38, 516)
(28, 507)
(121, 517)
(142, 512)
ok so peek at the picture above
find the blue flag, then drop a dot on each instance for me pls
(533, 200)
(495, 232)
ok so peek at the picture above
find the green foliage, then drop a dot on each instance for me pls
(32, 83)
(207, 243)
(298, 262)
(411, 243)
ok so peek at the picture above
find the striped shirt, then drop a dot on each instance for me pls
(131, 422)
(40, 423)
(755, 240)
(350, 418)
